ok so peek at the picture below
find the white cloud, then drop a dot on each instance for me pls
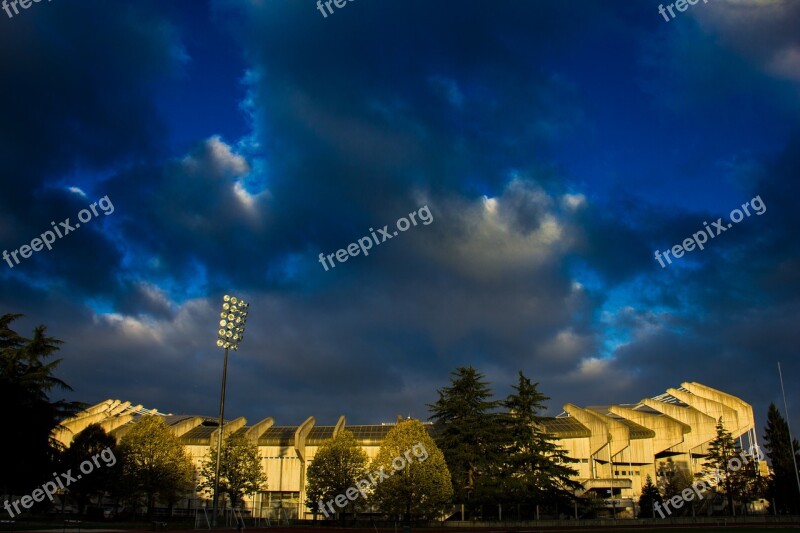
(219, 158)
(573, 202)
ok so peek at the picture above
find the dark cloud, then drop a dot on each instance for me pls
(557, 147)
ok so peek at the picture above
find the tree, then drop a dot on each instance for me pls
(91, 442)
(337, 466)
(155, 465)
(782, 486)
(239, 468)
(721, 451)
(650, 496)
(26, 383)
(420, 484)
(468, 431)
(535, 470)
(747, 483)
(672, 479)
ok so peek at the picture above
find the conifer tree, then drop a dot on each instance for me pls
(536, 469)
(720, 452)
(468, 431)
(782, 485)
(27, 383)
(649, 497)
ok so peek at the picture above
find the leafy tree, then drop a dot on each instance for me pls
(535, 470)
(155, 464)
(239, 468)
(89, 443)
(650, 496)
(720, 451)
(420, 484)
(26, 383)
(469, 432)
(782, 486)
(338, 464)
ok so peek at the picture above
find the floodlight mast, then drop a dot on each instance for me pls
(231, 333)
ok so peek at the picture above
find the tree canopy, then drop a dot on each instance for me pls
(649, 497)
(337, 466)
(782, 487)
(469, 434)
(27, 382)
(420, 483)
(155, 464)
(737, 471)
(536, 469)
(89, 443)
(240, 469)
(499, 451)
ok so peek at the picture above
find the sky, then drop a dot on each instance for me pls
(551, 153)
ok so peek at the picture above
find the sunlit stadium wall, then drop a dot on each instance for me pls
(615, 447)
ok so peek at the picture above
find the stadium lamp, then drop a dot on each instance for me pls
(229, 336)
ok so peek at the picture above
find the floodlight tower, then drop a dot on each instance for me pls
(231, 332)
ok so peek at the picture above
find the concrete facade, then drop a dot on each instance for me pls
(615, 446)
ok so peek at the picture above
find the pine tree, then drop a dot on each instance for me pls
(27, 382)
(650, 496)
(468, 431)
(782, 485)
(721, 451)
(535, 470)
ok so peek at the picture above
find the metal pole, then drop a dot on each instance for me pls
(611, 474)
(791, 441)
(219, 439)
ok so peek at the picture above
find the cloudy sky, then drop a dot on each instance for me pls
(557, 145)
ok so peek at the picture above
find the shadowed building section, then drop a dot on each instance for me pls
(614, 446)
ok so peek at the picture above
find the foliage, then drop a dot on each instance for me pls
(739, 482)
(470, 434)
(338, 464)
(155, 464)
(747, 484)
(26, 383)
(672, 479)
(89, 443)
(782, 485)
(239, 468)
(535, 470)
(419, 489)
(650, 496)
